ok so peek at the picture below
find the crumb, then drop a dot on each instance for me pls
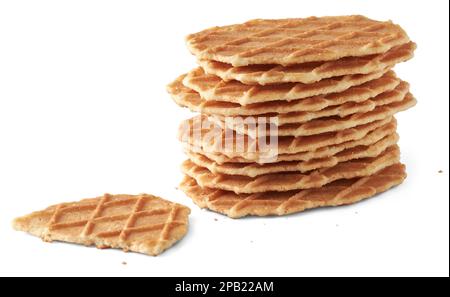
(124, 263)
(440, 171)
(215, 219)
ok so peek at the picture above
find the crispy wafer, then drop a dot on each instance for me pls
(186, 97)
(211, 87)
(282, 182)
(295, 41)
(206, 136)
(143, 223)
(328, 124)
(341, 192)
(254, 169)
(343, 110)
(323, 152)
(309, 72)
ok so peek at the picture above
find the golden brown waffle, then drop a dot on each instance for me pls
(341, 192)
(213, 88)
(211, 138)
(371, 138)
(186, 97)
(343, 110)
(144, 223)
(329, 124)
(254, 169)
(310, 72)
(295, 41)
(281, 182)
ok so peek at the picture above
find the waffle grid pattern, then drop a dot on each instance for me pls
(309, 72)
(324, 152)
(329, 124)
(338, 193)
(295, 41)
(252, 150)
(187, 97)
(142, 223)
(282, 182)
(211, 87)
(341, 111)
(254, 169)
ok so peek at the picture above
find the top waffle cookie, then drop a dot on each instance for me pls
(294, 41)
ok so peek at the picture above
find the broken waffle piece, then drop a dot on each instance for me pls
(138, 223)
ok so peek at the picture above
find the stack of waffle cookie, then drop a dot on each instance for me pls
(295, 114)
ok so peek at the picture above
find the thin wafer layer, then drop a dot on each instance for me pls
(341, 192)
(213, 88)
(329, 124)
(309, 72)
(324, 152)
(144, 223)
(343, 110)
(281, 182)
(254, 169)
(206, 136)
(186, 97)
(295, 41)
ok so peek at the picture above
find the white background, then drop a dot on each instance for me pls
(83, 111)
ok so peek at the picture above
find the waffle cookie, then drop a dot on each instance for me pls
(213, 88)
(295, 41)
(328, 124)
(213, 139)
(343, 110)
(186, 97)
(341, 192)
(281, 182)
(323, 152)
(255, 169)
(309, 72)
(143, 223)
